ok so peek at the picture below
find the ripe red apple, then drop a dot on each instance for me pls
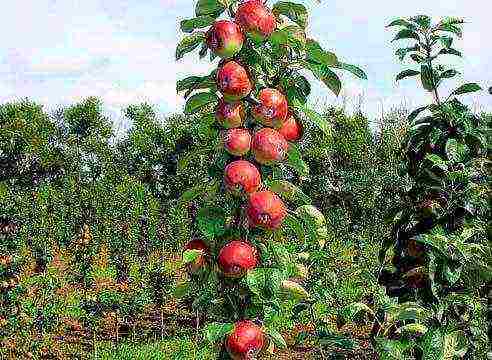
(291, 129)
(242, 177)
(273, 108)
(269, 146)
(225, 38)
(266, 210)
(233, 81)
(197, 244)
(246, 340)
(230, 114)
(236, 258)
(256, 19)
(237, 142)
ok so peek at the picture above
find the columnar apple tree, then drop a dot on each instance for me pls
(241, 269)
(439, 250)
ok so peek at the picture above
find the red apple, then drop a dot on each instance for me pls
(246, 340)
(225, 38)
(291, 130)
(237, 142)
(242, 177)
(236, 258)
(269, 146)
(273, 108)
(256, 19)
(230, 114)
(233, 81)
(266, 210)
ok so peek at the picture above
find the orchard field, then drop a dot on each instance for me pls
(253, 225)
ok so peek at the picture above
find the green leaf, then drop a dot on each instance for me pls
(296, 36)
(452, 274)
(402, 53)
(181, 290)
(298, 88)
(352, 69)
(212, 221)
(417, 58)
(406, 34)
(288, 191)
(189, 43)
(453, 20)
(446, 41)
(216, 332)
(393, 349)
(406, 73)
(190, 25)
(190, 256)
(209, 7)
(466, 88)
(407, 311)
(196, 191)
(413, 329)
(295, 161)
(328, 77)
(315, 118)
(295, 12)
(278, 37)
(427, 77)
(432, 345)
(295, 224)
(413, 115)
(303, 85)
(311, 214)
(350, 312)
(338, 341)
(277, 338)
(315, 53)
(451, 28)
(456, 151)
(187, 83)
(423, 20)
(198, 101)
(203, 51)
(437, 161)
(263, 282)
(193, 83)
(401, 22)
(449, 74)
(450, 51)
(294, 290)
(315, 224)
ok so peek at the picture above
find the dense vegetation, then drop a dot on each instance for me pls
(92, 230)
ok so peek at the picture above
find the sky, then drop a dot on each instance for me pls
(58, 52)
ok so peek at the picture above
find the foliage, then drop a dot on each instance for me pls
(440, 254)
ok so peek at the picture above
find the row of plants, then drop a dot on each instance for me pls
(112, 275)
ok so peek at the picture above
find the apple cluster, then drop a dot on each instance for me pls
(268, 145)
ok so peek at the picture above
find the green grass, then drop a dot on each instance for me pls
(167, 349)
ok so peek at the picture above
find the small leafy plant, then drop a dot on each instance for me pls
(438, 254)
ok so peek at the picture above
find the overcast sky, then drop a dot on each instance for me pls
(60, 51)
